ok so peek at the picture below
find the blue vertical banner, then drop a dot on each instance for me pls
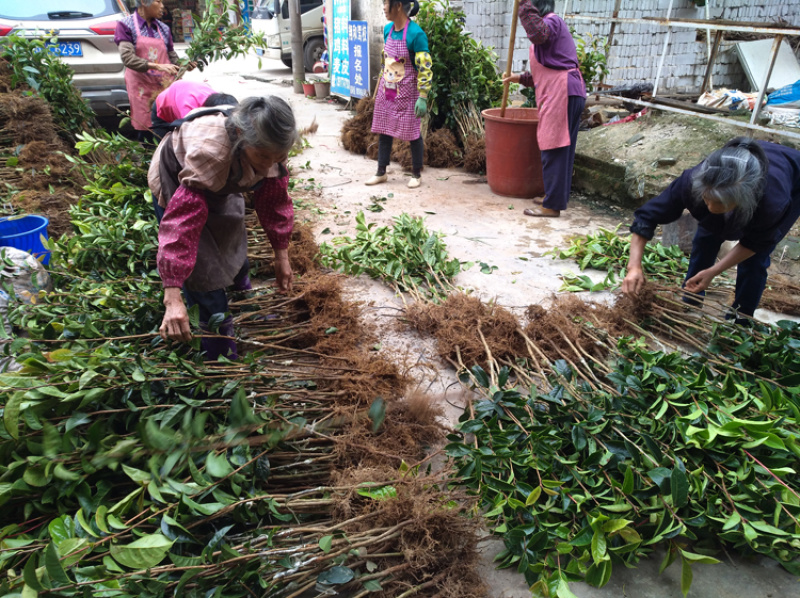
(244, 7)
(358, 53)
(340, 64)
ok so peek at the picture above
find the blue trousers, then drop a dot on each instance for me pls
(751, 274)
(557, 163)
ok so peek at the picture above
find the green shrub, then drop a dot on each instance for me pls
(464, 70)
(50, 78)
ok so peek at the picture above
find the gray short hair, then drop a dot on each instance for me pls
(263, 122)
(545, 7)
(733, 175)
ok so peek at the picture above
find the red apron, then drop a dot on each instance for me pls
(144, 87)
(552, 99)
(397, 92)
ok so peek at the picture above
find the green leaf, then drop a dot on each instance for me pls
(563, 590)
(598, 575)
(614, 525)
(207, 509)
(30, 577)
(11, 416)
(766, 528)
(599, 547)
(52, 563)
(379, 493)
(693, 557)
(217, 466)
(74, 550)
(35, 476)
(61, 528)
(62, 473)
(144, 553)
(373, 585)
(377, 414)
(480, 376)
(680, 488)
(86, 378)
(686, 577)
(137, 475)
(325, 543)
(533, 496)
(732, 521)
(659, 475)
(335, 575)
(79, 517)
(627, 484)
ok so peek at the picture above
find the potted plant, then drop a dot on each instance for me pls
(322, 87)
(308, 89)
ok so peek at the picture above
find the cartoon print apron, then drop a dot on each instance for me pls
(395, 98)
(552, 98)
(143, 87)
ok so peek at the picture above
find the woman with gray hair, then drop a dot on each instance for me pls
(747, 191)
(197, 177)
(147, 51)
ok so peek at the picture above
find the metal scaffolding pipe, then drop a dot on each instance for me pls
(693, 24)
(719, 119)
(664, 52)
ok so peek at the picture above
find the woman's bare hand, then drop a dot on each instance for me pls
(175, 324)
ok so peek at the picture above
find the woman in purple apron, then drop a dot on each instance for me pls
(560, 97)
(401, 97)
(147, 51)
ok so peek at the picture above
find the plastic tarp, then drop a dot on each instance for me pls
(786, 97)
(728, 99)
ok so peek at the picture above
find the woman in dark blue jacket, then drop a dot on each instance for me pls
(747, 191)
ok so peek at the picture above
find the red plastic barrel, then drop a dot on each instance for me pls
(513, 159)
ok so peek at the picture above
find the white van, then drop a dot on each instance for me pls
(271, 17)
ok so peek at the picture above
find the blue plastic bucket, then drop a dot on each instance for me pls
(25, 233)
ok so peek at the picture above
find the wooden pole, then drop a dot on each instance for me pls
(514, 18)
(712, 57)
(773, 55)
(296, 32)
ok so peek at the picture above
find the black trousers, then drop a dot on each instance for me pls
(385, 143)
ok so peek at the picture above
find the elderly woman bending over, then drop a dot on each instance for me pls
(197, 175)
(747, 191)
(145, 45)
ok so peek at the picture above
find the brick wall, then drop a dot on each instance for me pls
(637, 48)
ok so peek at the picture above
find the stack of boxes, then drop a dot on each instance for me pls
(178, 15)
(187, 24)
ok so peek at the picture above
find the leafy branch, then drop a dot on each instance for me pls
(407, 256)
